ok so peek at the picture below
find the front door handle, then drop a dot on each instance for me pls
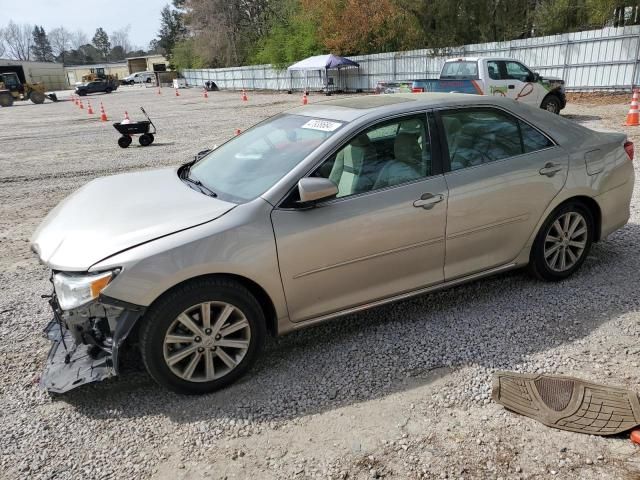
(428, 200)
(511, 87)
(550, 169)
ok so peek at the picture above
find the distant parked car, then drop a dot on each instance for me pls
(316, 213)
(139, 77)
(96, 86)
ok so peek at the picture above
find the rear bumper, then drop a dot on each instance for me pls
(86, 342)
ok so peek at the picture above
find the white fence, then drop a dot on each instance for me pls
(590, 60)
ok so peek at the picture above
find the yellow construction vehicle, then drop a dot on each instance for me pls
(98, 74)
(12, 89)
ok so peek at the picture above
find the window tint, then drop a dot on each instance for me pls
(517, 71)
(532, 139)
(482, 135)
(382, 156)
(494, 70)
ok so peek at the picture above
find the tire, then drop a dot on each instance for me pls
(228, 302)
(145, 140)
(108, 90)
(152, 138)
(124, 141)
(37, 97)
(551, 103)
(545, 263)
(82, 93)
(6, 100)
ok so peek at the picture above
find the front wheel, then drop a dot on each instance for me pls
(124, 141)
(551, 103)
(202, 336)
(108, 90)
(36, 97)
(563, 242)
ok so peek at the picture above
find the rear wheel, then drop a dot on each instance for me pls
(551, 103)
(36, 97)
(145, 140)
(124, 141)
(563, 242)
(6, 100)
(108, 90)
(202, 336)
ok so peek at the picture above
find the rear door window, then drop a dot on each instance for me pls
(475, 136)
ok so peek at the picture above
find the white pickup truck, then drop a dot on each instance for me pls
(490, 76)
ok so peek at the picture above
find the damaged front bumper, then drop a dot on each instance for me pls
(86, 342)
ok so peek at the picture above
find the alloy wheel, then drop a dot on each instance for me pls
(206, 341)
(565, 242)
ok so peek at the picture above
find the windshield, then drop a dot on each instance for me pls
(460, 70)
(247, 166)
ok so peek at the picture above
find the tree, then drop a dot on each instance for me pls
(3, 47)
(18, 40)
(172, 29)
(41, 48)
(60, 39)
(78, 39)
(101, 42)
(185, 56)
(120, 38)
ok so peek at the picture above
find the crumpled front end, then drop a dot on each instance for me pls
(86, 342)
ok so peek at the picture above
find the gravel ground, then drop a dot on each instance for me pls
(397, 392)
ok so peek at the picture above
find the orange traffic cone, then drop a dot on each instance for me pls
(177, 93)
(81, 105)
(244, 96)
(635, 436)
(304, 99)
(103, 115)
(205, 94)
(238, 131)
(89, 109)
(633, 117)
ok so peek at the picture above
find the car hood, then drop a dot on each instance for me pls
(112, 214)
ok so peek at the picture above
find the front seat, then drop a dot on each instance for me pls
(347, 172)
(407, 163)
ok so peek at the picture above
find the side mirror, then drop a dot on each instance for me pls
(535, 77)
(313, 189)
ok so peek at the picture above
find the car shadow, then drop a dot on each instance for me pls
(494, 323)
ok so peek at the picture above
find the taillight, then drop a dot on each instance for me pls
(628, 147)
(417, 90)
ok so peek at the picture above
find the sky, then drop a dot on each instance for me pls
(87, 15)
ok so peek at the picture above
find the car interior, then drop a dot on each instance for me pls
(380, 157)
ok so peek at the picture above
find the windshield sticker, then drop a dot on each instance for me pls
(322, 125)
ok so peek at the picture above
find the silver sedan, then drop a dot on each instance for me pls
(319, 212)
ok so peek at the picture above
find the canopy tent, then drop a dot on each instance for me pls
(322, 63)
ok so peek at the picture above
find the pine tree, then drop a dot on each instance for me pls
(41, 48)
(102, 43)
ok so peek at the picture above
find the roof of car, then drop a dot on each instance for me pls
(348, 109)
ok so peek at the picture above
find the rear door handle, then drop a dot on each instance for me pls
(511, 87)
(428, 200)
(550, 169)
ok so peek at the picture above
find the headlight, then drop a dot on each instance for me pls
(76, 290)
